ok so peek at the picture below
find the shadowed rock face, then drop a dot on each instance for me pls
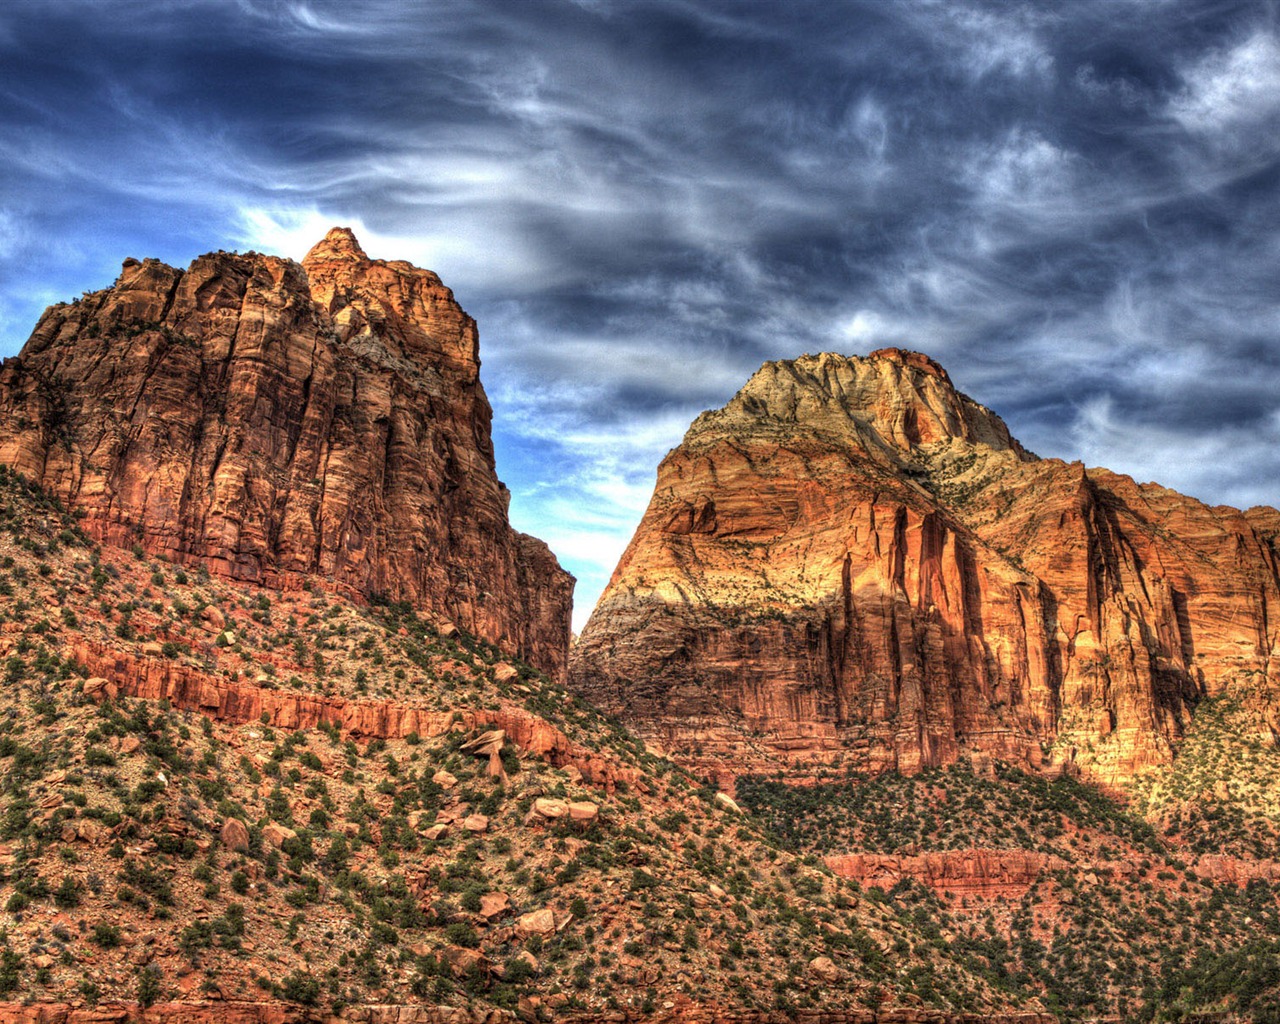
(853, 561)
(272, 421)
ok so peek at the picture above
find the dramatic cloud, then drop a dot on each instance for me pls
(1233, 88)
(1074, 206)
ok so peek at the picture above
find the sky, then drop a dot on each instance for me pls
(1074, 207)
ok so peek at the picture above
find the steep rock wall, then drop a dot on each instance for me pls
(852, 561)
(273, 420)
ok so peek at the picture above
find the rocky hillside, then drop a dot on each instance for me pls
(276, 422)
(226, 802)
(1050, 886)
(853, 564)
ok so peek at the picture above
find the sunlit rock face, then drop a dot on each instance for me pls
(852, 562)
(274, 420)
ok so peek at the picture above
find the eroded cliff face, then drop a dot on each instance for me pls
(120, 673)
(272, 421)
(854, 562)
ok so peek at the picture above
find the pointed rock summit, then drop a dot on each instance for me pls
(854, 563)
(279, 423)
(338, 243)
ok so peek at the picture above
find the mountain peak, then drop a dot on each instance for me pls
(338, 243)
(329, 415)
(892, 399)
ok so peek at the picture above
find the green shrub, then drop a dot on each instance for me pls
(462, 934)
(149, 985)
(106, 935)
(10, 971)
(298, 987)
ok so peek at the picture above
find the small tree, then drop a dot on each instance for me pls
(149, 985)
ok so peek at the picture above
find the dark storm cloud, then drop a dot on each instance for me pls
(1073, 206)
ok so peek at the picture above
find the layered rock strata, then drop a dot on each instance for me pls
(275, 421)
(117, 673)
(984, 874)
(854, 562)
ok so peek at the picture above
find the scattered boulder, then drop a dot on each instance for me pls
(98, 688)
(463, 961)
(433, 834)
(476, 823)
(530, 959)
(728, 803)
(444, 779)
(504, 672)
(824, 969)
(539, 922)
(235, 836)
(583, 811)
(276, 835)
(448, 815)
(548, 807)
(89, 831)
(494, 904)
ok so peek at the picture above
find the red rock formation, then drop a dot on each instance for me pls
(852, 560)
(1239, 872)
(1005, 874)
(118, 673)
(274, 421)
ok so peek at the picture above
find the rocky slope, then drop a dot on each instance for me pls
(274, 422)
(1054, 887)
(220, 802)
(854, 563)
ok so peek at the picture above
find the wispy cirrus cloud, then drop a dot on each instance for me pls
(989, 39)
(1156, 451)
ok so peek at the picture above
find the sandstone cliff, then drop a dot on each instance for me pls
(985, 874)
(854, 562)
(272, 420)
(120, 673)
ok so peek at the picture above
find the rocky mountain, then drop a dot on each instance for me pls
(1059, 889)
(276, 422)
(221, 802)
(282, 735)
(854, 564)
